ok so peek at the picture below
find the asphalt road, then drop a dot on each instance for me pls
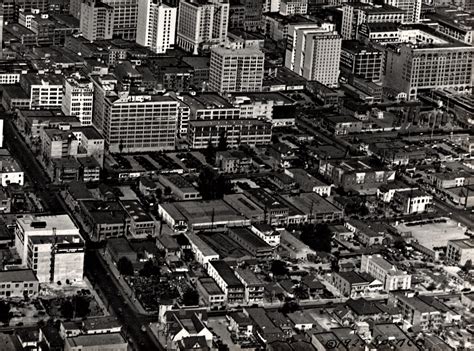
(132, 322)
(34, 172)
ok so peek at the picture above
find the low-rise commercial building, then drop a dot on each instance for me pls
(460, 251)
(18, 283)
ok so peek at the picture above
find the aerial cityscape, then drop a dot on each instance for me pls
(225, 175)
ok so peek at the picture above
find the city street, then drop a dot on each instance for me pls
(94, 267)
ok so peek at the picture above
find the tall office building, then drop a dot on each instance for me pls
(78, 99)
(293, 7)
(133, 122)
(412, 7)
(125, 18)
(97, 20)
(157, 26)
(1, 33)
(202, 22)
(314, 52)
(236, 70)
(253, 14)
(75, 8)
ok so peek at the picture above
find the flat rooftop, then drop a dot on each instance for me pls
(18, 275)
(206, 101)
(204, 211)
(210, 286)
(32, 223)
(96, 340)
(434, 234)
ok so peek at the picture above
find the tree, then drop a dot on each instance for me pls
(212, 185)
(149, 269)
(467, 266)
(81, 306)
(222, 145)
(289, 307)
(4, 312)
(67, 309)
(279, 268)
(210, 153)
(191, 297)
(124, 266)
(317, 237)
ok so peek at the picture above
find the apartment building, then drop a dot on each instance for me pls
(18, 283)
(226, 279)
(44, 90)
(56, 258)
(314, 52)
(427, 60)
(157, 26)
(241, 131)
(362, 60)
(202, 23)
(236, 70)
(417, 311)
(96, 20)
(460, 251)
(412, 8)
(133, 122)
(390, 276)
(254, 287)
(78, 98)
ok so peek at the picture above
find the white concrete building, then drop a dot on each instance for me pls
(201, 23)
(44, 91)
(96, 20)
(56, 258)
(267, 233)
(156, 28)
(47, 226)
(460, 251)
(10, 172)
(78, 99)
(314, 52)
(203, 253)
(391, 277)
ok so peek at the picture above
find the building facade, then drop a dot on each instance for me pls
(157, 26)
(96, 20)
(391, 277)
(78, 99)
(236, 70)
(202, 23)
